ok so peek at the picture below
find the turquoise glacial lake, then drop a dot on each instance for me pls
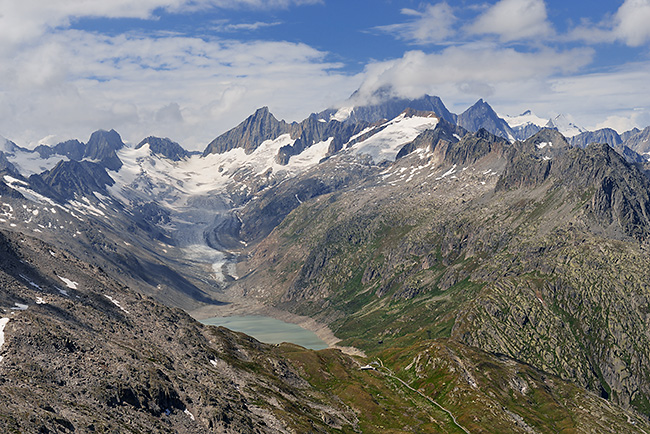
(269, 330)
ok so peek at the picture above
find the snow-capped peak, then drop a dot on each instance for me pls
(342, 114)
(564, 125)
(527, 117)
(392, 135)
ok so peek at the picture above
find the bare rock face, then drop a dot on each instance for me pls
(164, 147)
(70, 178)
(258, 127)
(82, 353)
(102, 147)
(481, 115)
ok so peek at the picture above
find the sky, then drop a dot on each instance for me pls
(192, 69)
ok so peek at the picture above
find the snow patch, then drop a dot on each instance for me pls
(447, 173)
(565, 126)
(19, 306)
(69, 283)
(543, 145)
(190, 415)
(116, 303)
(525, 118)
(21, 187)
(30, 282)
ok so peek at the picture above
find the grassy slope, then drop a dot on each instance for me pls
(522, 272)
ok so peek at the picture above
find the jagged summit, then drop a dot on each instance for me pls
(562, 123)
(525, 125)
(71, 179)
(481, 115)
(249, 134)
(102, 147)
(165, 147)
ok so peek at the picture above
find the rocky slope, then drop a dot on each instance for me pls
(527, 250)
(80, 352)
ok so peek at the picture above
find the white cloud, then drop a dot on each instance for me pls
(225, 26)
(435, 25)
(618, 123)
(188, 89)
(23, 20)
(468, 69)
(513, 20)
(629, 24)
(548, 82)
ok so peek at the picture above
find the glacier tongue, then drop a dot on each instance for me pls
(196, 190)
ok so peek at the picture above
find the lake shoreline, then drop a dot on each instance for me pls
(322, 331)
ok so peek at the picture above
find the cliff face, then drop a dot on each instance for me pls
(534, 250)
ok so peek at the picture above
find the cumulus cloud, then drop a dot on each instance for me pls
(186, 88)
(631, 22)
(434, 25)
(629, 25)
(477, 68)
(513, 20)
(547, 81)
(26, 19)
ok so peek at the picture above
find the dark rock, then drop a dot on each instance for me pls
(102, 147)
(481, 115)
(257, 128)
(69, 178)
(390, 107)
(164, 147)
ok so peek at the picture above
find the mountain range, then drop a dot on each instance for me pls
(471, 273)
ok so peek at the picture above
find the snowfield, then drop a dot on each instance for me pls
(386, 144)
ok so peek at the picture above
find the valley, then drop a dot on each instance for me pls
(464, 277)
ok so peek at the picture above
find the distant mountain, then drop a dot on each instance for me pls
(314, 130)
(73, 149)
(164, 147)
(263, 126)
(564, 125)
(639, 141)
(481, 115)
(388, 109)
(627, 134)
(71, 179)
(102, 147)
(249, 134)
(604, 135)
(525, 125)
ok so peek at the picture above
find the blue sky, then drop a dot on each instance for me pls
(191, 69)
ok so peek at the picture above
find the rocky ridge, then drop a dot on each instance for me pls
(365, 260)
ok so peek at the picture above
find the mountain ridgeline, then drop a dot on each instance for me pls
(483, 274)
